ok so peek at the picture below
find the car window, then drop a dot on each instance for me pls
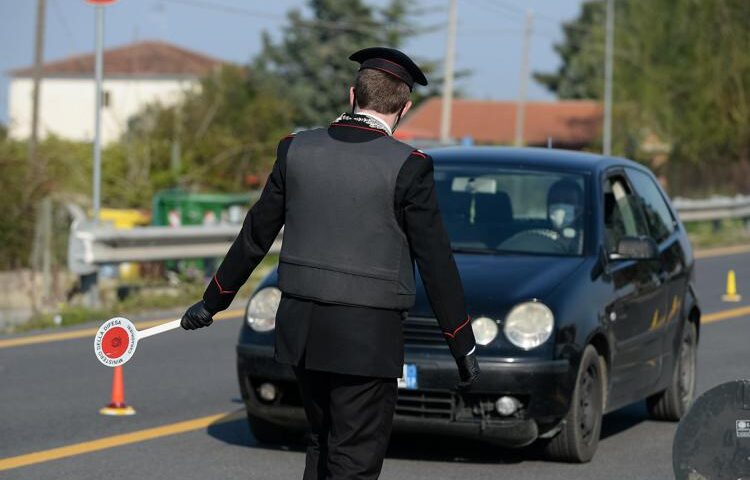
(658, 216)
(622, 214)
(512, 210)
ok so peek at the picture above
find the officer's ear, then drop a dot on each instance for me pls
(351, 97)
(407, 106)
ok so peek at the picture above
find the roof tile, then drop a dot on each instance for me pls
(146, 58)
(569, 122)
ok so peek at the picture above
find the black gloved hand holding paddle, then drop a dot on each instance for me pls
(197, 316)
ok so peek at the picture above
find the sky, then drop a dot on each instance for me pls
(489, 34)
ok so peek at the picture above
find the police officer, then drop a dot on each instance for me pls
(358, 207)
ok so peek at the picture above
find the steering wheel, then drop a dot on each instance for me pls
(542, 240)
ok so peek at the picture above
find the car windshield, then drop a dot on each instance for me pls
(512, 210)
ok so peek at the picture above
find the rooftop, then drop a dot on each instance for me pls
(141, 59)
(566, 122)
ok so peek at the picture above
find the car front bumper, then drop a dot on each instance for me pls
(542, 388)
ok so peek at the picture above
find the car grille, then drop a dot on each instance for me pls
(424, 404)
(423, 331)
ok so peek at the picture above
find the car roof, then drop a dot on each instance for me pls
(529, 156)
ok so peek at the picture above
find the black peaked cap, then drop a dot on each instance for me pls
(391, 61)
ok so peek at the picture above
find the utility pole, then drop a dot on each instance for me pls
(608, 71)
(96, 200)
(521, 104)
(450, 53)
(35, 93)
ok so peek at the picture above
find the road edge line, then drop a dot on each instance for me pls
(725, 314)
(105, 443)
(721, 251)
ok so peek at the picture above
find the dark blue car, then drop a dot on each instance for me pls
(579, 281)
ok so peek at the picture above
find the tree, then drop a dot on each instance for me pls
(214, 139)
(682, 81)
(63, 177)
(581, 72)
(310, 63)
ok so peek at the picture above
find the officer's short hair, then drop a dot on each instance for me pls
(380, 91)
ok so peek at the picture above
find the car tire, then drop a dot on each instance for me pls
(578, 438)
(672, 403)
(270, 433)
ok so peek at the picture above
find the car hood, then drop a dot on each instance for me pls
(494, 283)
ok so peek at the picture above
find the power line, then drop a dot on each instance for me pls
(66, 28)
(219, 7)
(313, 24)
(505, 7)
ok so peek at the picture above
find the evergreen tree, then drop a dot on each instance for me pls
(681, 83)
(310, 63)
(581, 52)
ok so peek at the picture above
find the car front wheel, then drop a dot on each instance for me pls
(672, 403)
(578, 437)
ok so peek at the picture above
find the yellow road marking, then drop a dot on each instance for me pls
(90, 332)
(721, 251)
(116, 440)
(725, 314)
(198, 423)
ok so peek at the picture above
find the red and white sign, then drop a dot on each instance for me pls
(101, 3)
(116, 340)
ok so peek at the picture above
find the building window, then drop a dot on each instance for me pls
(106, 98)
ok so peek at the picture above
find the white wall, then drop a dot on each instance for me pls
(67, 105)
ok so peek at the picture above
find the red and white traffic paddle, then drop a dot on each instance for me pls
(116, 340)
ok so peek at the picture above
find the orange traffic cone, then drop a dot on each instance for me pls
(117, 406)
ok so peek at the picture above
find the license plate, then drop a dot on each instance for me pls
(408, 379)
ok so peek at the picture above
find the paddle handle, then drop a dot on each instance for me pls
(164, 327)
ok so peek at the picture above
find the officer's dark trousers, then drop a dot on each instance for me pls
(350, 419)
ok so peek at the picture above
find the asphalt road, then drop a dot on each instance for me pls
(50, 395)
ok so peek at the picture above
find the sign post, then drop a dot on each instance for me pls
(98, 69)
(97, 175)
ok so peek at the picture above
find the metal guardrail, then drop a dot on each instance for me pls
(714, 208)
(90, 246)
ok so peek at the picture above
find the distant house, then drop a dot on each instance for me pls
(134, 76)
(569, 124)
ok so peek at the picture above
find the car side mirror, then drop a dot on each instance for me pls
(636, 248)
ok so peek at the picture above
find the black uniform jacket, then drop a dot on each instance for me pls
(352, 339)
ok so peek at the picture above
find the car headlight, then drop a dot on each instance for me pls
(529, 325)
(261, 312)
(485, 330)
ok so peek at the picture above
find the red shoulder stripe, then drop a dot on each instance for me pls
(419, 154)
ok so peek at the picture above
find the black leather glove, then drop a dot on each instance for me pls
(468, 371)
(196, 316)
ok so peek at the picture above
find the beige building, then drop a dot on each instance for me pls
(134, 76)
